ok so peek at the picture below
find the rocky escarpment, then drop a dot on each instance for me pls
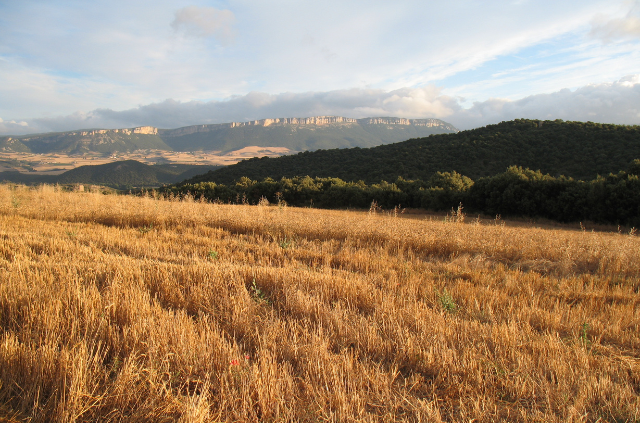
(146, 130)
(316, 120)
(306, 133)
(429, 123)
(95, 140)
(309, 121)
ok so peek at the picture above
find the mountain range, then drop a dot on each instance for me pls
(580, 150)
(299, 134)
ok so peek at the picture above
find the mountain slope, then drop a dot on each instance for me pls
(294, 133)
(97, 140)
(575, 149)
(122, 174)
(303, 133)
(9, 144)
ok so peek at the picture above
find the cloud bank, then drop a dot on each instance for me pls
(616, 102)
(13, 127)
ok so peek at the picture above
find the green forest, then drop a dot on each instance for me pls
(518, 191)
(581, 150)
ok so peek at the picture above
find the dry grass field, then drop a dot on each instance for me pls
(57, 163)
(129, 309)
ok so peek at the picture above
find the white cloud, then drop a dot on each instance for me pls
(617, 102)
(614, 102)
(614, 29)
(205, 22)
(13, 127)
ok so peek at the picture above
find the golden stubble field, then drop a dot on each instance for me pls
(128, 309)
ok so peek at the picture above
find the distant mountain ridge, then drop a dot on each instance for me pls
(311, 133)
(310, 121)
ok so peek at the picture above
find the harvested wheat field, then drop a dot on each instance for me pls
(129, 309)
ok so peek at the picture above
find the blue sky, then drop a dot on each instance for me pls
(74, 64)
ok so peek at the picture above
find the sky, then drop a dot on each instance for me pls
(73, 64)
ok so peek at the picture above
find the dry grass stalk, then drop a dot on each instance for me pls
(113, 308)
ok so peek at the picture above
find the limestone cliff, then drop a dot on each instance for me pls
(308, 122)
(296, 133)
(146, 130)
(430, 123)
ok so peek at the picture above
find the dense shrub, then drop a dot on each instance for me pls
(516, 192)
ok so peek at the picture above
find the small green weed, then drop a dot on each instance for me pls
(116, 365)
(584, 337)
(258, 294)
(286, 243)
(145, 229)
(446, 302)
(213, 255)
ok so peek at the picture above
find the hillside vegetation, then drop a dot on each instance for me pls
(129, 309)
(614, 199)
(573, 149)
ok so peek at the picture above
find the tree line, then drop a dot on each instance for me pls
(518, 191)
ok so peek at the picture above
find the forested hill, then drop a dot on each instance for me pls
(576, 149)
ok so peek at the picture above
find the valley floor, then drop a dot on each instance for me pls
(121, 308)
(57, 163)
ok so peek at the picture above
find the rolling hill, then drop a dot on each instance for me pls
(84, 141)
(122, 175)
(575, 149)
(294, 133)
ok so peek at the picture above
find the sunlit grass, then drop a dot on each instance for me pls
(119, 308)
